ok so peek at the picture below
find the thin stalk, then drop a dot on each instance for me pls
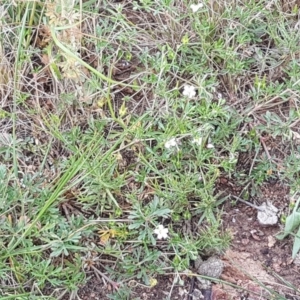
(16, 77)
(31, 19)
(74, 56)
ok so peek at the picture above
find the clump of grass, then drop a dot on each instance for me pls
(94, 163)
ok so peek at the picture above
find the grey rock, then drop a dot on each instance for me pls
(198, 262)
(197, 295)
(213, 267)
(203, 284)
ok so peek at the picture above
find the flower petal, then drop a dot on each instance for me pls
(196, 7)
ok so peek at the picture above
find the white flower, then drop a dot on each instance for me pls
(189, 91)
(210, 145)
(171, 143)
(196, 7)
(197, 141)
(162, 232)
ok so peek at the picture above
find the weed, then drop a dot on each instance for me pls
(118, 123)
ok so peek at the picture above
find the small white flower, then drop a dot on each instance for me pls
(210, 145)
(162, 232)
(171, 143)
(196, 7)
(197, 141)
(189, 91)
(296, 135)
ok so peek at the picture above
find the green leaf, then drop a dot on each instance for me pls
(135, 225)
(162, 212)
(292, 221)
(296, 246)
(55, 71)
(281, 236)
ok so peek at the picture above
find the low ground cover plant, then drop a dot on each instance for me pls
(119, 120)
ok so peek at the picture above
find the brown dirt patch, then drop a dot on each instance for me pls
(255, 249)
(95, 289)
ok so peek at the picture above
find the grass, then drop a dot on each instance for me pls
(99, 145)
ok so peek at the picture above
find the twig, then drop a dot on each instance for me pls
(248, 203)
(265, 147)
(261, 139)
(132, 143)
(114, 284)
